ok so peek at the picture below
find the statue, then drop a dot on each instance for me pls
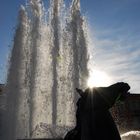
(93, 119)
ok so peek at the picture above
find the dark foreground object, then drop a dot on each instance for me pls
(94, 121)
(39, 139)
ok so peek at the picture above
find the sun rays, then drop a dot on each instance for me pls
(98, 78)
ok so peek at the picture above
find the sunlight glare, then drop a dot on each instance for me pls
(98, 78)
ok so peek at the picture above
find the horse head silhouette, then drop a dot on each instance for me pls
(93, 119)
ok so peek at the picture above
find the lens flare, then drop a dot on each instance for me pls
(98, 78)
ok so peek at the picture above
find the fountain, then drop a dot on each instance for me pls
(48, 61)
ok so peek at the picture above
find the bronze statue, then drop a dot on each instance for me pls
(93, 119)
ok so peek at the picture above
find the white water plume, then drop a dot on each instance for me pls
(48, 61)
(131, 135)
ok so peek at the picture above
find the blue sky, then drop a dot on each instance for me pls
(115, 35)
(114, 27)
(8, 20)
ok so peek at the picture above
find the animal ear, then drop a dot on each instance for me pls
(80, 91)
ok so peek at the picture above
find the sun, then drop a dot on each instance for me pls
(98, 78)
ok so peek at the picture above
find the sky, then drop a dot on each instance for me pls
(114, 31)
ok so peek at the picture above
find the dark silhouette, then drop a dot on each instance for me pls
(93, 119)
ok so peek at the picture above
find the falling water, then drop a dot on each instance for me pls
(48, 61)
